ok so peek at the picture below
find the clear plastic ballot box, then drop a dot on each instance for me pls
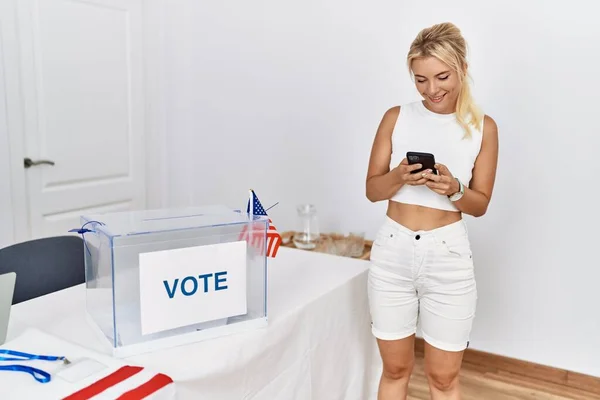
(162, 278)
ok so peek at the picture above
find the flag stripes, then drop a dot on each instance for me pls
(123, 385)
(256, 237)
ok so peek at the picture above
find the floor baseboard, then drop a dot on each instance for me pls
(526, 369)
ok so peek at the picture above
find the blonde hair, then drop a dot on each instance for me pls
(445, 42)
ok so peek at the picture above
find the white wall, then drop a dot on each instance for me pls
(285, 98)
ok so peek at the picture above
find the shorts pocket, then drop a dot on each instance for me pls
(458, 246)
(384, 235)
(381, 249)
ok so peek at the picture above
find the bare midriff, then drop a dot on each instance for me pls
(418, 218)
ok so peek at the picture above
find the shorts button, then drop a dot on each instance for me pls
(418, 237)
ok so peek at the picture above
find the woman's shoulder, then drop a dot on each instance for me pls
(388, 121)
(489, 133)
(394, 112)
(489, 126)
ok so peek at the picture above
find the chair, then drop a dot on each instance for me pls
(44, 265)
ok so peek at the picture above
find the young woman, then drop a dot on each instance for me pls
(421, 261)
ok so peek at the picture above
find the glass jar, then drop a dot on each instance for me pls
(307, 233)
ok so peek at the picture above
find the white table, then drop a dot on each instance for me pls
(318, 343)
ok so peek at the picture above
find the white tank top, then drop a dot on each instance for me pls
(420, 129)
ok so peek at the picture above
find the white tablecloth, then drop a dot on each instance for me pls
(317, 345)
(86, 369)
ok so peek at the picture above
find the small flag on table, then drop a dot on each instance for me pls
(273, 237)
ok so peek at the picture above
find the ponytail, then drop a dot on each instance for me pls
(468, 115)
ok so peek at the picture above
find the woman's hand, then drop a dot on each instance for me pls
(444, 183)
(405, 172)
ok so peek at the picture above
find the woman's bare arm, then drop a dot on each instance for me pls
(478, 194)
(382, 183)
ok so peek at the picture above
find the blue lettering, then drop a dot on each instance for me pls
(172, 288)
(217, 280)
(195, 287)
(205, 277)
(171, 292)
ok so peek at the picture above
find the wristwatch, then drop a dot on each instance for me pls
(461, 191)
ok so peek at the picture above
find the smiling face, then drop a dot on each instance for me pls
(438, 83)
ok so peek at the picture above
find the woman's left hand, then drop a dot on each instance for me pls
(443, 183)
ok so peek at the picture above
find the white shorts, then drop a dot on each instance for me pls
(425, 276)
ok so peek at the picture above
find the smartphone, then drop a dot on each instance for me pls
(427, 160)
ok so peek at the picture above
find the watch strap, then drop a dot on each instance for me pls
(461, 191)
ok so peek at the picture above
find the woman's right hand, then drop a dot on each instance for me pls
(404, 173)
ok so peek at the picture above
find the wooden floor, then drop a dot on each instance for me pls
(480, 383)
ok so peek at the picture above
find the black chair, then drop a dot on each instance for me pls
(44, 265)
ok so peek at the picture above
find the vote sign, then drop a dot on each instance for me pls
(191, 285)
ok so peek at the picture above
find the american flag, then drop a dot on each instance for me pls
(128, 383)
(256, 237)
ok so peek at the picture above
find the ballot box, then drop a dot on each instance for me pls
(162, 278)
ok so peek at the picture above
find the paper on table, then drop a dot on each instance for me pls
(80, 369)
(86, 368)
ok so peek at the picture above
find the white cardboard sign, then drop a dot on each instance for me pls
(191, 285)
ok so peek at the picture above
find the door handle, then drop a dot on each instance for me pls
(28, 162)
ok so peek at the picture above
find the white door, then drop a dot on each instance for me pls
(6, 215)
(81, 74)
